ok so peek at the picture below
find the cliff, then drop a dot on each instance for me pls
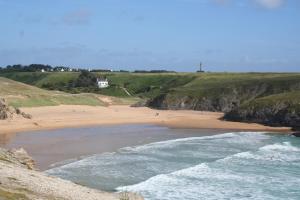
(270, 100)
(275, 110)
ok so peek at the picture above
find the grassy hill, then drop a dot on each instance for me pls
(22, 95)
(141, 85)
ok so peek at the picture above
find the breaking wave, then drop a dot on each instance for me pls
(241, 165)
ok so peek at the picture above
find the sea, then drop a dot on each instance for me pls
(234, 165)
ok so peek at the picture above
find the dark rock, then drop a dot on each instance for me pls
(280, 114)
(25, 115)
(141, 103)
(296, 134)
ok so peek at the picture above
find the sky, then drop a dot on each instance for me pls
(225, 35)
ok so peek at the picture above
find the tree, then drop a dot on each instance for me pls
(86, 79)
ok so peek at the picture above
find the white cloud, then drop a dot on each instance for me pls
(270, 4)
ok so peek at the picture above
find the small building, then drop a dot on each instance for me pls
(102, 82)
(43, 70)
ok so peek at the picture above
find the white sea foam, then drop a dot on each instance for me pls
(221, 179)
(245, 165)
(234, 137)
(198, 182)
(285, 146)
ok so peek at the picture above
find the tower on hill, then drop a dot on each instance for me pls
(201, 68)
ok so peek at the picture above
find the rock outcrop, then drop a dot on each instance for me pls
(22, 156)
(17, 181)
(8, 112)
(5, 111)
(281, 115)
(17, 157)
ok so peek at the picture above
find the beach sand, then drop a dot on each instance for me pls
(54, 117)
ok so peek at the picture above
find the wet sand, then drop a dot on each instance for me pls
(49, 147)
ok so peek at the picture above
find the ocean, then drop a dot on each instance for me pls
(237, 165)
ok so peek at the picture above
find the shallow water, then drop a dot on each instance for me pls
(226, 166)
(62, 145)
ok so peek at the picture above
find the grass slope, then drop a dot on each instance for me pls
(214, 84)
(22, 95)
(141, 85)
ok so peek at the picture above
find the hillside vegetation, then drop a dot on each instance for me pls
(22, 95)
(242, 96)
(141, 85)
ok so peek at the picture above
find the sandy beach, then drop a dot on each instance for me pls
(54, 117)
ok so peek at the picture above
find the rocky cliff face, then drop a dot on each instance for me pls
(224, 104)
(276, 114)
(239, 103)
(220, 98)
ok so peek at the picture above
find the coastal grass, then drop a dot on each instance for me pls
(137, 84)
(22, 95)
(292, 99)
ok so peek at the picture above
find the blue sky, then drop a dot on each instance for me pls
(226, 35)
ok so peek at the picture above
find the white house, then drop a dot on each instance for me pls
(102, 83)
(43, 70)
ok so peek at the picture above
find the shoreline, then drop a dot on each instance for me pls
(57, 147)
(75, 116)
